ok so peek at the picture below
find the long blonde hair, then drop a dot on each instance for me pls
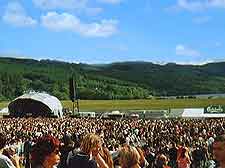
(89, 142)
(129, 157)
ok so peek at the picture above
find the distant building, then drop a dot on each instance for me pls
(35, 104)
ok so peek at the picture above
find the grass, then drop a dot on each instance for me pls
(3, 104)
(108, 105)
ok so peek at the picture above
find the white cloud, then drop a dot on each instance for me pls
(186, 51)
(110, 1)
(198, 5)
(16, 15)
(190, 5)
(194, 62)
(216, 3)
(68, 22)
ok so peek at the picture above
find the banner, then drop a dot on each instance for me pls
(214, 109)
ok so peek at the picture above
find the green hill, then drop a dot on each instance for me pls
(171, 79)
(125, 80)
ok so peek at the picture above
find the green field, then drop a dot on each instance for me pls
(107, 105)
(3, 104)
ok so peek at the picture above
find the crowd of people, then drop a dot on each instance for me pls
(82, 142)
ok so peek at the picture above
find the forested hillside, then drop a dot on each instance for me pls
(171, 79)
(127, 80)
(21, 75)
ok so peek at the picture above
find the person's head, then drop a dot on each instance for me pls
(3, 140)
(46, 151)
(162, 160)
(91, 144)
(67, 140)
(219, 148)
(129, 157)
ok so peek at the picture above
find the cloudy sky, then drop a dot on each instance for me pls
(105, 31)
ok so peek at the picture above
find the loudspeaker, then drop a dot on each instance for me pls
(72, 88)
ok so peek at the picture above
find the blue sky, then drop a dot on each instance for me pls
(105, 31)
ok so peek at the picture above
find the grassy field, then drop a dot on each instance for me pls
(107, 105)
(3, 104)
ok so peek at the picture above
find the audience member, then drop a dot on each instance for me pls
(8, 157)
(219, 150)
(129, 157)
(45, 153)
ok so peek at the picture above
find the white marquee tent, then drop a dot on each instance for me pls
(36, 104)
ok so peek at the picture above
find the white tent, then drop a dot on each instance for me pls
(36, 104)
